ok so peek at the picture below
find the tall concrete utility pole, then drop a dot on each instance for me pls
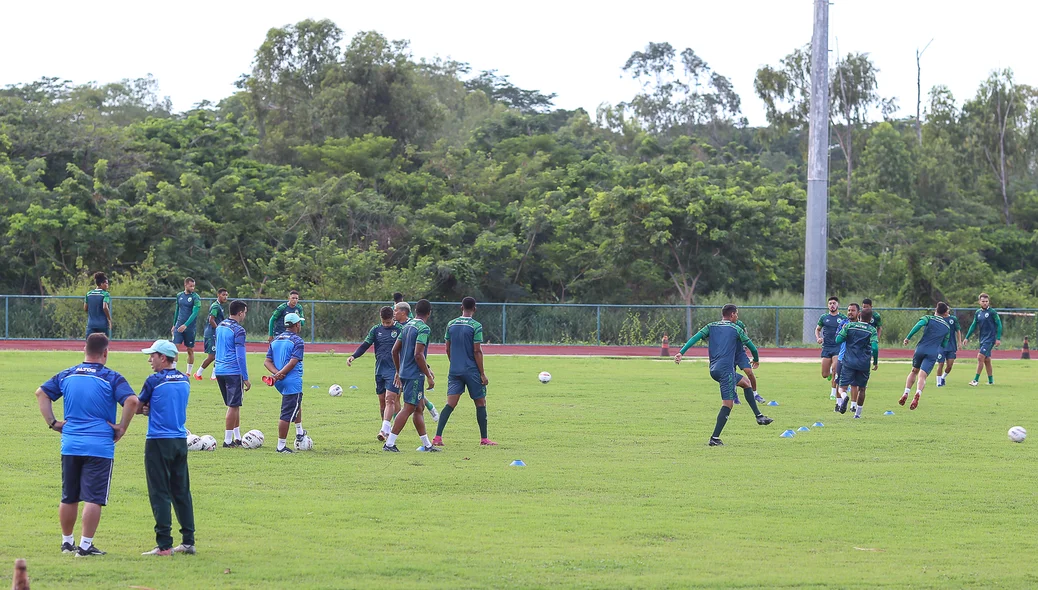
(816, 239)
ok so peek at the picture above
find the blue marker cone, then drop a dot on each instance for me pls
(803, 429)
(517, 463)
(773, 403)
(818, 425)
(888, 413)
(315, 387)
(787, 434)
(353, 387)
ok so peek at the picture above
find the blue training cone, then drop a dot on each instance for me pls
(315, 387)
(353, 387)
(773, 403)
(517, 463)
(818, 425)
(803, 429)
(787, 434)
(888, 413)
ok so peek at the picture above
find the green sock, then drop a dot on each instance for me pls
(445, 413)
(722, 418)
(991, 378)
(429, 405)
(481, 419)
(748, 394)
(976, 377)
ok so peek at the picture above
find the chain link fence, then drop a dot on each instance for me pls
(36, 317)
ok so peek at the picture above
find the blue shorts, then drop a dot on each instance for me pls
(457, 384)
(741, 360)
(384, 383)
(925, 361)
(187, 337)
(209, 344)
(104, 331)
(843, 351)
(231, 389)
(85, 479)
(413, 390)
(855, 377)
(950, 355)
(726, 381)
(986, 347)
(830, 350)
(290, 405)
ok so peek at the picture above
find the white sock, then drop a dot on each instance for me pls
(68, 539)
(237, 433)
(391, 440)
(425, 441)
(299, 429)
(754, 393)
(189, 367)
(86, 542)
(199, 371)
(918, 392)
(281, 443)
(908, 390)
(386, 426)
(854, 405)
(228, 436)
(833, 391)
(857, 412)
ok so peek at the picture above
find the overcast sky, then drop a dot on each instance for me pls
(197, 50)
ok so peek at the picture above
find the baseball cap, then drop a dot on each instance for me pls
(293, 318)
(163, 347)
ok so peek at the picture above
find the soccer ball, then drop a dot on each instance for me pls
(1017, 434)
(208, 443)
(544, 376)
(253, 439)
(304, 445)
(335, 390)
(194, 442)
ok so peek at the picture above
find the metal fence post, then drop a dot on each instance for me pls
(778, 335)
(504, 319)
(598, 324)
(312, 327)
(688, 322)
(7, 317)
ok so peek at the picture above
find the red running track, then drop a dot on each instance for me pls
(497, 349)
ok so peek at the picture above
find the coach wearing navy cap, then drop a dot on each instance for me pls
(91, 392)
(164, 400)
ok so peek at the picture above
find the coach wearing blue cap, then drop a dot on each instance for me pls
(285, 363)
(164, 401)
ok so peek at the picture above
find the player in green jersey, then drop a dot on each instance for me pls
(825, 332)
(276, 325)
(877, 322)
(98, 305)
(858, 339)
(464, 338)
(184, 315)
(989, 330)
(929, 351)
(216, 315)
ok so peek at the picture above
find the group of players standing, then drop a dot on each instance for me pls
(850, 352)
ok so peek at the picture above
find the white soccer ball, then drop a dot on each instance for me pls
(208, 443)
(304, 445)
(194, 442)
(252, 439)
(544, 376)
(1017, 434)
(335, 390)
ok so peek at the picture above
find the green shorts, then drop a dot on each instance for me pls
(210, 344)
(413, 390)
(727, 381)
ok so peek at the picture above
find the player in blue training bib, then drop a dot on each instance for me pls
(285, 363)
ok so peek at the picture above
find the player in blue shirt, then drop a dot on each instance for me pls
(383, 336)
(989, 331)
(212, 320)
(825, 333)
(232, 372)
(929, 351)
(464, 339)
(91, 393)
(184, 316)
(952, 350)
(163, 400)
(285, 363)
(409, 360)
(98, 305)
(725, 339)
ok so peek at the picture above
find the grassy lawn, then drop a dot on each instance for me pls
(619, 491)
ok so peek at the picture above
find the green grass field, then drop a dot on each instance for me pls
(620, 489)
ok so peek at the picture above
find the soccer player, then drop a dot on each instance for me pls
(277, 319)
(825, 333)
(409, 360)
(285, 362)
(989, 330)
(950, 351)
(163, 400)
(877, 321)
(743, 362)
(858, 338)
(184, 330)
(852, 316)
(383, 336)
(98, 305)
(928, 352)
(725, 339)
(464, 339)
(213, 320)
(232, 373)
(88, 436)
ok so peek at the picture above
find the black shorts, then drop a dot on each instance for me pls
(290, 405)
(104, 331)
(187, 337)
(457, 384)
(925, 360)
(830, 350)
(855, 377)
(384, 383)
(231, 389)
(741, 360)
(85, 479)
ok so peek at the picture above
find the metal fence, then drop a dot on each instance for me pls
(39, 317)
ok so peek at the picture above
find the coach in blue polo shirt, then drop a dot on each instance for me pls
(91, 392)
(164, 400)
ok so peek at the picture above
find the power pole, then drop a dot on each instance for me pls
(919, 94)
(816, 239)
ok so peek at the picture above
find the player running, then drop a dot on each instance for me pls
(743, 362)
(852, 316)
(183, 331)
(464, 338)
(285, 363)
(877, 322)
(383, 336)
(928, 352)
(725, 339)
(212, 320)
(825, 333)
(989, 330)
(951, 351)
(409, 360)
(857, 339)
(277, 319)
(98, 305)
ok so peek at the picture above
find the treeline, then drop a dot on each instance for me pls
(352, 170)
